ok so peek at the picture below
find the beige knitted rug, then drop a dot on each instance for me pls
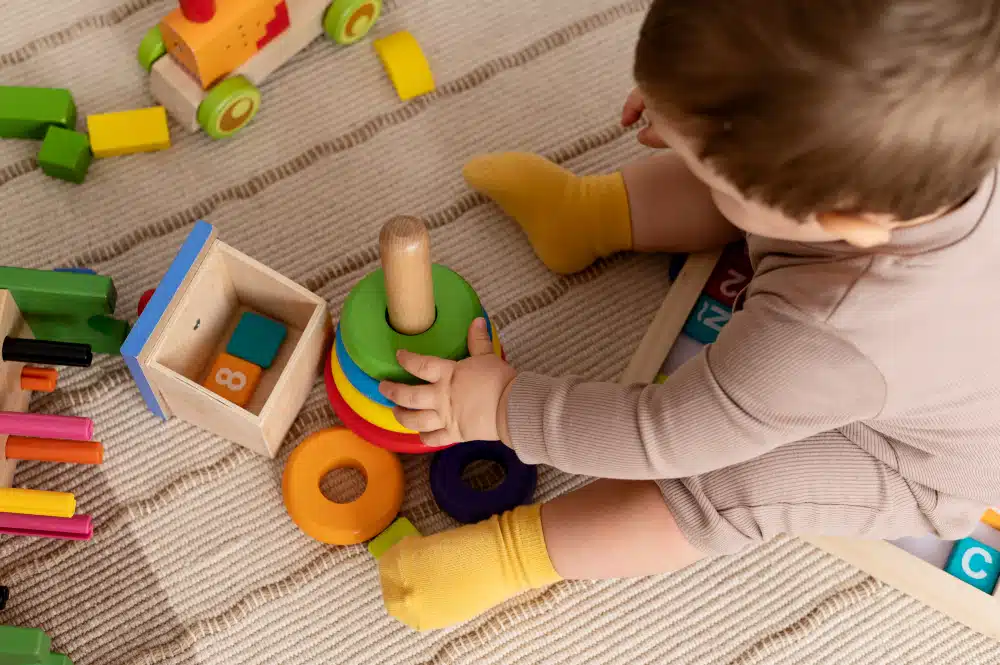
(194, 559)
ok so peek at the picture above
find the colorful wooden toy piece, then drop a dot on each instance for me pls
(731, 275)
(29, 350)
(975, 563)
(398, 530)
(36, 502)
(707, 319)
(379, 415)
(45, 425)
(468, 505)
(77, 527)
(28, 646)
(405, 64)
(4, 596)
(56, 293)
(27, 113)
(65, 154)
(233, 378)
(127, 132)
(66, 451)
(341, 523)
(991, 518)
(257, 339)
(238, 29)
(39, 379)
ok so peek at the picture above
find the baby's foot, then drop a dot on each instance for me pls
(437, 581)
(570, 220)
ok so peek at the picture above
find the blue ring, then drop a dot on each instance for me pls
(365, 384)
(468, 505)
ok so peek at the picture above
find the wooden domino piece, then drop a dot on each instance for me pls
(233, 378)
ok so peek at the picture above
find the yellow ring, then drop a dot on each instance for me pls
(377, 414)
(341, 523)
(405, 64)
(497, 349)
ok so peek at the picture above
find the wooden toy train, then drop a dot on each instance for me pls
(207, 58)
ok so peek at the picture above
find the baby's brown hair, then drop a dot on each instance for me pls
(810, 106)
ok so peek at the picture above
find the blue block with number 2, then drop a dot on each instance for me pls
(973, 562)
(706, 319)
(257, 339)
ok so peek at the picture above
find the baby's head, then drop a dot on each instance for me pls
(821, 120)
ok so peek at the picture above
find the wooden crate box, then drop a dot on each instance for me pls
(188, 322)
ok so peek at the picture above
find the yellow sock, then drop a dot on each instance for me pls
(437, 581)
(570, 220)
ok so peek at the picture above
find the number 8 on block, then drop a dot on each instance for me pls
(233, 378)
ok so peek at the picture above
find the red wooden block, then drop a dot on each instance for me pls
(731, 275)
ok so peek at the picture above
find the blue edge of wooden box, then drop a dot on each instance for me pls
(157, 307)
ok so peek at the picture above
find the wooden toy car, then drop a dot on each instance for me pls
(207, 58)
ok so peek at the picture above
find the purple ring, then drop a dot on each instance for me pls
(468, 505)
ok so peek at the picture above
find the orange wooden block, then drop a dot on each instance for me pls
(211, 50)
(54, 450)
(41, 379)
(233, 378)
(992, 518)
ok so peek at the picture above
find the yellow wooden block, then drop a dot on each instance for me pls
(211, 50)
(405, 64)
(126, 132)
(992, 518)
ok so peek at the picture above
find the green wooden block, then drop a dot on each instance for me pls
(27, 113)
(394, 533)
(63, 294)
(103, 333)
(57, 659)
(23, 646)
(65, 154)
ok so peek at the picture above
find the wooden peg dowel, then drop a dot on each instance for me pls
(405, 246)
(39, 379)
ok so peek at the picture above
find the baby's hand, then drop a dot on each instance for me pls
(635, 106)
(459, 402)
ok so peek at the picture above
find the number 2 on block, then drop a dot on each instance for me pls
(713, 315)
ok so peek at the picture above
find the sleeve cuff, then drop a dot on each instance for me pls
(526, 416)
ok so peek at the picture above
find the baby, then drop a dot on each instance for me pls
(854, 145)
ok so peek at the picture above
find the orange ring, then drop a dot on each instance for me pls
(341, 523)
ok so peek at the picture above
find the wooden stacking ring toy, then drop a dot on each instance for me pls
(341, 523)
(392, 441)
(372, 342)
(468, 505)
(363, 383)
(368, 386)
(377, 414)
(409, 303)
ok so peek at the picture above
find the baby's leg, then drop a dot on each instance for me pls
(610, 528)
(824, 485)
(654, 204)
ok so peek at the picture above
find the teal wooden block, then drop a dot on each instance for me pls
(257, 339)
(707, 319)
(973, 562)
(65, 154)
(394, 533)
(23, 646)
(27, 113)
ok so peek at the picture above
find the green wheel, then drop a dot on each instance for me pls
(151, 48)
(372, 343)
(228, 107)
(347, 21)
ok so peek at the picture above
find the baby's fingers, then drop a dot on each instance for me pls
(418, 421)
(428, 368)
(438, 438)
(423, 396)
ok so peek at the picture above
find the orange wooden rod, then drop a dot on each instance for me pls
(41, 379)
(54, 450)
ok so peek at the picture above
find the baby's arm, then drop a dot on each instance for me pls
(773, 376)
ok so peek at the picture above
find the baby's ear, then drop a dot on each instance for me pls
(862, 231)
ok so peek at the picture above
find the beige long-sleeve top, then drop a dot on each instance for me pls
(901, 341)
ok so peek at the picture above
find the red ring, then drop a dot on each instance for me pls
(397, 442)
